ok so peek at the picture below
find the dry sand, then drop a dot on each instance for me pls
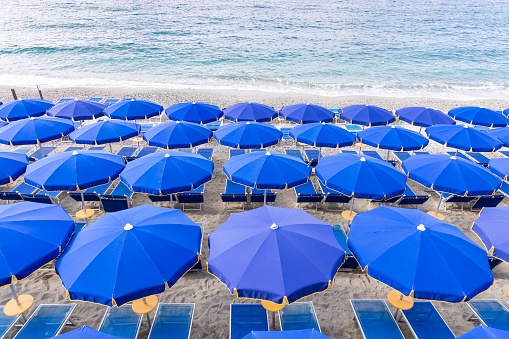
(212, 298)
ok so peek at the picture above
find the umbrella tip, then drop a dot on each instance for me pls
(465, 126)
(363, 159)
(453, 157)
(167, 155)
(393, 126)
(74, 153)
(248, 123)
(307, 103)
(323, 122)
(194, 103)
(268, 153)
(128, 227)
(177, 122)
(32, 118)
(274, 227)
(421, 227)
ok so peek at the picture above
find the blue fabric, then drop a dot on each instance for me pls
(485, 332)
(245, 318)
(501, 134)
(86, 332)
(298, 316)
(463, 137)
(24, 108)
(298, 258)
(177, 134)
(491, 312)
(133, 109)
(77, 110)
(322, 135)
(250, 111)
(491, 227)
(12, 165)
(121, 322)
(107, 264)
(172, 320)
(426, 322)
(105, 132)
(306, 113)
(297, 334)
(424, 117)
(500, 167)
(31, 235)
(375, 320)
(367, 115)
(267, 170)
(198, 112)
(33, 130)
(74, 171)
(248, 135)
(437, 263)
(479, 116)
(450, 174)
(46, 321)
(163, 173)
(360, 176)
(393, 138)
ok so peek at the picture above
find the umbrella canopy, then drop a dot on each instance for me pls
(35, 130)
(164, 173)
(31, 235)
(306, 113)
(105, 132)
(492, 228)
(501, 134)
(360, 177)
(366, 115)
(250, 111)
(24, 108)
(3, 123)
(177, 134)
(198, 112)
(322, 135)
(267, 170)
(463, 137)
(479, 116)
(298, 334)
(451, 174)
(424, 117)
(414, 252)
(74, 171)
(77, 110)
(499, 167)
(247, 135)
(393, 138)
(485, 332)
(275, 254)
(12, 165)
(133, 109)
(86, 332)
(128, 255)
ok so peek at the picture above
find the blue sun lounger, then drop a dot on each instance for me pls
(313, 156)
(23, 150)
(459, 155)
(295, 153)
(187, 150)
(421, 153)
(96, 148)
(479, 158)
(73, 148)
(144, 128)
(350, 262)
(375, 319)
(333, 197)
(348, 152)
(286, 133)
(258, 195)
(127, 153)
(45, 197)
(353, 128)
(205, 152)
(456, 199)
(306, 193)
(234, 192)
(298, 316)
(119, 199)
(64, 100)
(37, 155)
(245, 318)
(46, 322)
(91, 194)
(192, 197)
(408, 198)
(6, 322)
(108, 102)
(235, 152)
(96, 99)
(490, 312)
(172, 321)
(426, 323)
(146, 151)
(214, 125)
(487, 201)
(402, 156)
(16, 193)
(504, 153)
(376, 155)
(121, 322)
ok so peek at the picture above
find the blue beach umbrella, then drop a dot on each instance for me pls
(501, 134)
(198, 112)
(248, 134)
(463, 137)
(499, 167)
(77, 110)
(492, 228)
(177, 134)
(424, 117)
(105, 132)
(419, 255)
(306, 113)
(35, 130)
(322, 135)
(275, 254)
(24, 108)
(297, 334)
(12, 165)
(250, 111)
(128, 255)
(393, 138)
(133, 109)
(479, 116)
(367, 115)
(485, 332)
(3, 123)
(506, 112)
(86, 332)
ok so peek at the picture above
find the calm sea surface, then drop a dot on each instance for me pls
(449, 49)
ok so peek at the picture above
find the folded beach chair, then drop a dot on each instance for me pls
(235, 152)
(16, 193)
(375, 319)
(487, 201)
(73, 148)
(245, 318)
(45, 197)
(119, 199)
(504, 153)
(6, 322)
(479, 158)
(313, 156)
(298, 316)
(121, 322)
(91, 194)
(402, 156)
(127, 153)
(108, 102)
(426, 323)
(353, 128)
(350, 262)
(96, 99)
(295, 153)
(376, 155)
(307, 193)
(205, 152)
(214, 125)
(348, 152)
(96, 148)
(490, 312)
(172, 321)
(192, 197)
(146, 151)
(37, 155)
(234, 192)
(333, 197)
(258, 195)
(46, 322)
(456, 199)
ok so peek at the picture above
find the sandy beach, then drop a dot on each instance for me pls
(212, 298)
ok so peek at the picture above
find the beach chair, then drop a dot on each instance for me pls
(426, 323)
(24, 149)
(483, 128)
(479, 158)
(127, 153)
(37, 155)
(205, 152)
(187, 150)
(401, 156)
(144, 128)
(16, 193)
(235, 152)
(73, 148)
(64, 100)
(46, 322)
(421, 153)
(353, 128)
(459, 155)
(45, 197)
(375, 319)
(489, 312)
(295, 153)
(121, 322)
(6, 322)
(192, 197)
(376, 155)
(214, 125)
(486, 201)
(410, 198)
(286, 134)
(298, 316)
(350, 262)
(348, 152)
(91, 194)
(96, 99)
(307, 193)
(162, 198)
(456, 199)
(172, 321)
(146, 151)
(313, 156)
(245, 318)
(96, 148)
(258, 196)
(234, 192)
(336, 114)
(119, 199)
(109, 102)
(504, 153)
(333, 197)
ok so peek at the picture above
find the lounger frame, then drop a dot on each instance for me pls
(230, 322)
(476, 317)
(129, 306)
(358, 321)
(312, 311)
(13, 323)
(66, 321)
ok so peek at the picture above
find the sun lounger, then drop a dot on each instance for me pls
(172, 321)
(96, 148)
(298, 316)
(45, 197)
(16, 192)
(64, 100)
(235, 152)
(479, 158)
(375, 319)
(205, 152)
(295, 153)
(313, 156)
(350, 262)
(192, 197)
(234, 192)
(127, 153)
(187, 150)
(73, 148)
(96, 99)
(108, 102)
(245, 318)
(408, 198)
(37, 155)
(46, 322)
(490, 312)
(91, 194)
(144, 128)
(456, 199)
(483, 128)
(353, 128)
(213, 126)
(487, 201)
(6, 322)
(286, 133)
(121, 322)
(504, 153)
(163, 198)
(258, 196)
(336, 113)
(402, 156)
(348, 152)
(146, 151)
(421, 153)
(307, 193)
(426, 323)
(119, 199)
(332, 197)
(24, 149)
(376, 155)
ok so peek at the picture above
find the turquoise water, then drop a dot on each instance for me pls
(450, 49)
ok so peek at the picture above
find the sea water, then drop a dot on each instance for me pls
(449, 49)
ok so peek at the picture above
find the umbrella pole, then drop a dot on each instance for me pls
(439, 201)
(351, 205)
(171, 200)
(40, 147)
(264, 197)
(14, 294)
(110, 148)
